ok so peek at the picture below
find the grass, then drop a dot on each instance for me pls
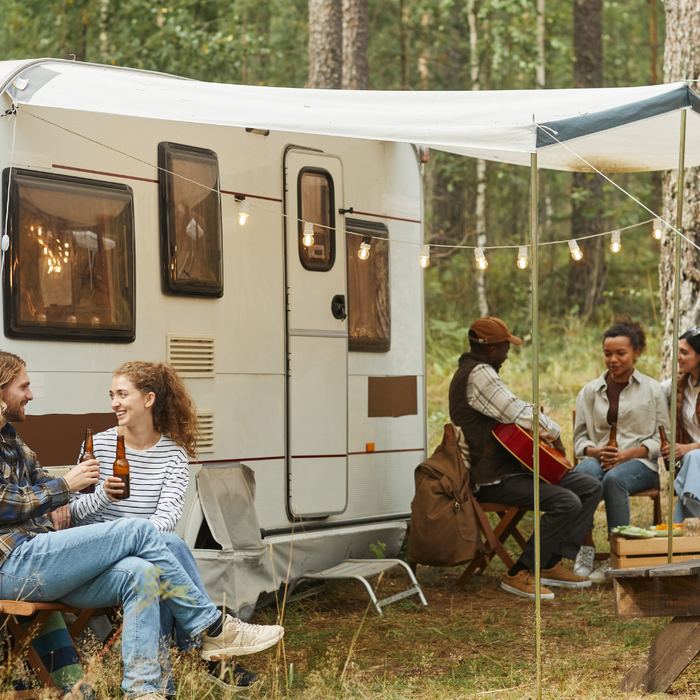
(472, 643)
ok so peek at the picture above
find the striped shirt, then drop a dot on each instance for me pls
(27, 493)
(158, 479)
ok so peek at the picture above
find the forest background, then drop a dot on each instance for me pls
(437, 45)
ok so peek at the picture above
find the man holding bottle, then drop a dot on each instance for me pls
(120, 562)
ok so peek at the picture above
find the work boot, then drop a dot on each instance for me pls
(559, 576)
(523, 584)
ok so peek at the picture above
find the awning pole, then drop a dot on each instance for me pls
(536, 415)
(676, 323)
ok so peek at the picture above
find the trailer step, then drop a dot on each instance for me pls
(361, 570)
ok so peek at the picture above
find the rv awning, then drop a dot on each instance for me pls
(615, 129)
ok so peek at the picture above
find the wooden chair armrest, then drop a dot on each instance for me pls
(25, 608)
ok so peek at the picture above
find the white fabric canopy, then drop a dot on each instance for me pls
(615, 129)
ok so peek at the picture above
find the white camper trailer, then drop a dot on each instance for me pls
(127, 240)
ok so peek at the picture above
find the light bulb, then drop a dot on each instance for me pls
(576, 253)
(481, 260)
(363, 253)
(522, 257)
(308, 238)
(657, 228)
(243, 213)
(424, 255)
(615, 244)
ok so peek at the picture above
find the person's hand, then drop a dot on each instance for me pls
(681, 450)
(114, 488)
(61, 517)
(620, 457)
(594, 452)
(609, 457)
(85, 474)
(558, 446)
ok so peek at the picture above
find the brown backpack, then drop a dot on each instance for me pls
(444, 529)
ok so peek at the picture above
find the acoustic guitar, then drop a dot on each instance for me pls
(518, 441)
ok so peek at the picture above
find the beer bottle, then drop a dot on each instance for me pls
(88, 454)
(664, 442)
(612, 442)
(121, 467)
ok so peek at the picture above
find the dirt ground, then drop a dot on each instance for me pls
(476, 642)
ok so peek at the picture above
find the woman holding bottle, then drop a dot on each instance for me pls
(629, 407)
(687, 483)
(156, 419)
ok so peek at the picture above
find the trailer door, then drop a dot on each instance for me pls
(317, 336)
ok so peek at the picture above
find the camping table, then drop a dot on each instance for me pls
(667, 590)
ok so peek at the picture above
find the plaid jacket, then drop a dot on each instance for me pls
(27, 493)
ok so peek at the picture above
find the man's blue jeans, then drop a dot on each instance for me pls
(618, 483)
(126, 562)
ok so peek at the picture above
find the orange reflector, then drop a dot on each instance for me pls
(370, 447)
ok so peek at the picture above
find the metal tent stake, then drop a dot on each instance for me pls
(676, 323)
(536, 416)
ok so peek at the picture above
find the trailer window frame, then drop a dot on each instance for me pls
(171, 284)
(17, 327)
(319, 228)
(374, 295)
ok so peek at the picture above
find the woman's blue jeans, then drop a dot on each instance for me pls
(618, 483)
(687, 485)
(125, 562)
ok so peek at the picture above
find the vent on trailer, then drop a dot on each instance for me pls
(205, 443)
(191, 355)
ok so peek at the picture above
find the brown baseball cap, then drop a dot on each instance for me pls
(491, 330)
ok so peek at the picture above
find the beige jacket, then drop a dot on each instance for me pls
(643, 408)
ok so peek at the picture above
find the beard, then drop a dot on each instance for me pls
(14, 413)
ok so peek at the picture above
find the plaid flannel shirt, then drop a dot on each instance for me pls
(487, 394)
(27, 493)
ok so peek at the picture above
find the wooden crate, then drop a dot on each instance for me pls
(625, 553)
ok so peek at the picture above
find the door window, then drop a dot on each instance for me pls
(316, 206)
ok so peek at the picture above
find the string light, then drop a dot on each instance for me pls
(657, 229)
(481, 260)
(576, 252)
(424, 256)
(522, 257)
(363, 253)
(615, 244)
(243, 213)
(308, 238)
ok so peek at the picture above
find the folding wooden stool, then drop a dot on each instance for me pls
(510, 517)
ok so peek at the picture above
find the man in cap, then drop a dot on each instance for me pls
(479, 400)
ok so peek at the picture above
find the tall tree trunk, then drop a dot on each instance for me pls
(480, 213)
(325, 44)
(681, 62)
(355, 41)
(587, 277)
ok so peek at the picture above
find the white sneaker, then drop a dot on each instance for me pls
(598, 576)
(585, 561)
(239, 638)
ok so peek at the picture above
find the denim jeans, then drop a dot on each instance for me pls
(687, 485)
(618, 483)
(124, 562)
(171, 628)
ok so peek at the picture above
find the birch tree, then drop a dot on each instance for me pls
(480, 213)
(681, 62)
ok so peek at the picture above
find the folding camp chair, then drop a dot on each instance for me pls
(12, 609)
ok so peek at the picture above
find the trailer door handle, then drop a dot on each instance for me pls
(338, 307)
